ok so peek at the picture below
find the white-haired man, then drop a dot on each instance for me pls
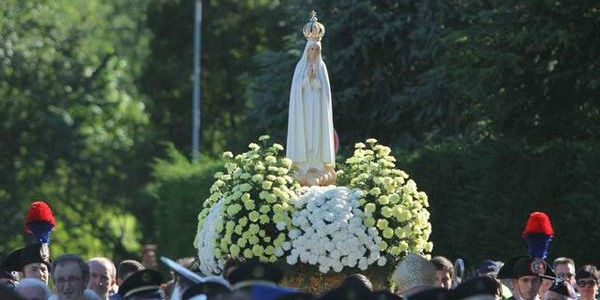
(103, 276)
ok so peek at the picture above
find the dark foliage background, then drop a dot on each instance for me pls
(482, 195)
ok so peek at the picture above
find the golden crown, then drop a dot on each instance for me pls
(313, 30)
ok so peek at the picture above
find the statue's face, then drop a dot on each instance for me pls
(313, 52)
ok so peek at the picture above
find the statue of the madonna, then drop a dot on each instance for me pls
(310, 141)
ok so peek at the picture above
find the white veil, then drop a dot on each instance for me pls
(297, 143)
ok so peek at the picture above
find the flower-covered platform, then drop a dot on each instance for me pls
(366, 223)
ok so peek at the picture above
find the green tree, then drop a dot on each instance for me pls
(233, 31)
(73, 127)
(529, 70)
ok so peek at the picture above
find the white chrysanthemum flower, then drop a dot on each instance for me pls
(329, 231)
(206, 241)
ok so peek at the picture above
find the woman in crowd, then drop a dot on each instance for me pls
(587, 282)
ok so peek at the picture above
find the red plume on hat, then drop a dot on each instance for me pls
(39, 221)
(538, 234)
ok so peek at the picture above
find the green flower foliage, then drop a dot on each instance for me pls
(390, 200)
(255, 188)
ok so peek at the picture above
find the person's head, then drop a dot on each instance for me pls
(36, 271)
(444, 272)
(35, 261)
(230, 265)
(144, 284)
(479, 286)
(527, 286)
(346, 291)
(525, 274)
(126, 268)
(252, 272)
(149, 256)
(358, 280)
(564, 268)
(102, 276)
(33, 289)
(70, 274)
(587, 281)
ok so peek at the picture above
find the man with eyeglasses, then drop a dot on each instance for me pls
(564, 268)
(102, 276)
(70, 274)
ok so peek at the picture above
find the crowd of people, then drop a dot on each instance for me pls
(29, 274)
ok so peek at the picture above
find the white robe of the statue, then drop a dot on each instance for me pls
(310, 122)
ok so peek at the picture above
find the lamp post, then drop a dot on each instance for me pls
(196, 95)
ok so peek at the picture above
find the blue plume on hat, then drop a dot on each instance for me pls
(538, 234)
(41, 231)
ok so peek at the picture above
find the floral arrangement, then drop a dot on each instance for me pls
(248, 213)
(391, 201)
(329, 231)
(257, 210)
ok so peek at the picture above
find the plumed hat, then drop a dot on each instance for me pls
(526, 266)
(538, 234)
(32, 253)
(414, 271)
